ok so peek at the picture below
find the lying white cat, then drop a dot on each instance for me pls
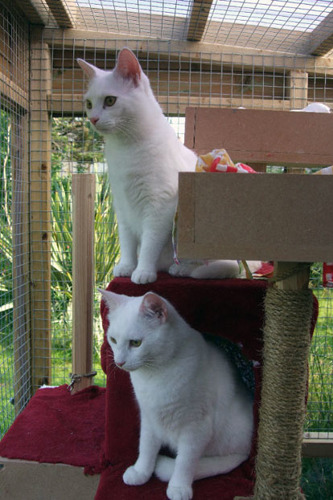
(191, 397)
(144, 158)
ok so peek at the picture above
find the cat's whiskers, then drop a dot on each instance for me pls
(128, 129)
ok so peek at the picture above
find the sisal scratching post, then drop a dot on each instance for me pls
(288, 314)
(282, 412)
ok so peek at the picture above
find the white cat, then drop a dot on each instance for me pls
(190, 396)
(144, 158)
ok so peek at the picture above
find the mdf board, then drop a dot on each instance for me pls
(286, 218)
(262, 136)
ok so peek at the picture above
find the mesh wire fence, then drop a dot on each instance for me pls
(15, 366)
(36, 237)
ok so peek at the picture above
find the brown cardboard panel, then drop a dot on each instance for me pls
(256, 217)
(262, 136)
(21, 479)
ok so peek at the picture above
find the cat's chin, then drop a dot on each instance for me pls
(128, 369)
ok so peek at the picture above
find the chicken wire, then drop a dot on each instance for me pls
(179, 77)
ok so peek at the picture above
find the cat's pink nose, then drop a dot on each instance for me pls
(94, 120)
(120, 364)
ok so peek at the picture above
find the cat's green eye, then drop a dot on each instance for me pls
(135, 343)
(113, 340)
(109, 100)
(88, 104)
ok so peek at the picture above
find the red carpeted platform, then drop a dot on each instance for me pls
(57, 427)
(232, 309)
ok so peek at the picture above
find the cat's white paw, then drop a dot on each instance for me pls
(179, 492)
(133, 477)
(123, 270)
(141, 276)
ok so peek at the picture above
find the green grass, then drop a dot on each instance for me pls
(317, 478)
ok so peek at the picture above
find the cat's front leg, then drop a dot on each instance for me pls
(150, 445)
(153, 241)
(128, 252)
(190, 448)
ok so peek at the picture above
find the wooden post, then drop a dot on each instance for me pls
(40, 211)
(298, 89)
(83, 189)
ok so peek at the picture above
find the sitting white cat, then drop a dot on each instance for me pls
(190, 395)
(144, 158)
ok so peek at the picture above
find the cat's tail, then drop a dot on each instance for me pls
(212, 269)
(216, 269)
(207, 467)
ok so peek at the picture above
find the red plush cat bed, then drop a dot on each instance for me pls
(233, 309)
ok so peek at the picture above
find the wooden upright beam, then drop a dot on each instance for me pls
(83, 278)
(198, 20)
(298, 89)
(40, 211)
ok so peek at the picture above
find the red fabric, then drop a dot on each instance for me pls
(229, 308)
(57, 427)
(236, 483)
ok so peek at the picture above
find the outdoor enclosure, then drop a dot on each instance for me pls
(256, 55)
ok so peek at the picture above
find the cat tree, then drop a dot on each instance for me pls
(278, 217)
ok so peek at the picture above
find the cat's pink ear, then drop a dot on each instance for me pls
(113, 300)
(154, 307)
(128, 66)
(89, 69)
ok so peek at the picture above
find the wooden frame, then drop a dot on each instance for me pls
(40, 210)
(83, 191)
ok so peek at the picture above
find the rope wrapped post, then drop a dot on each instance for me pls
(288, 314)
(83, 190)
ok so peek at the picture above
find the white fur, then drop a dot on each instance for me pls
(190, 397)
(144, 158)
(315, 107)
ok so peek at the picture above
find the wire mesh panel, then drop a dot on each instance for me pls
(15, 353)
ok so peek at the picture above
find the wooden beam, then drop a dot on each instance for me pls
(62, 13)
(40, 211)
(13, 93)
(104, 42)
(198, 19)
(318, 445)
(298, 89)
(72, 104)
(30, 11)
(83, 190)
(322, 37)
